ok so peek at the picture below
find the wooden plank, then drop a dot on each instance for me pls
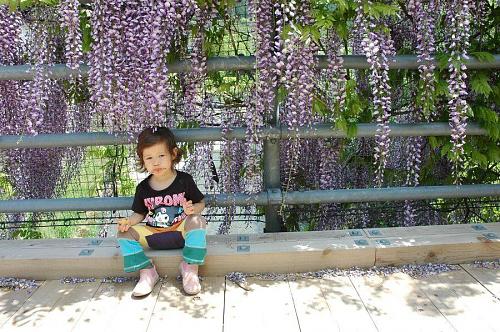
(11, 301)
(446, 248)
(345, 304)
(267, 307)
(59, 243)
(311, 306)
(112, 306)
(430, 230)
(393, 303)
(332, 303)
(286, 257)
(489, 278)
(133, 314)
(282, 257)
(203, 312)
(283, 236)
(463, 301)
(51, 263)
(37, 306)
(69, 307)
(278, 253)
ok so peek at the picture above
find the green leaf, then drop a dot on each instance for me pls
(442, 60)
(485, 114)
(319, 106)
(315, 34)
(343, 5)
(23, 4)
(483, 56)
(342, 31)
(341, 124)
(377, 10)
(352, 129)
(50, 2)
(479, 158)
(433, 142)
(445, 149)
(493, 152)
(441, 88)
(479, 84)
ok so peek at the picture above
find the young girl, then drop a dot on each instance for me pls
(171, 205)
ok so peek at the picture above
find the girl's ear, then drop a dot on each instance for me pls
(175, 152)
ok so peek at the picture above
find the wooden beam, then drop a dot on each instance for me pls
(259, 253)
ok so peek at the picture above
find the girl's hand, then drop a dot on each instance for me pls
(123, 224)
(188, 207)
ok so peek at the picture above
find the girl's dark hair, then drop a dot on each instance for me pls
(151, 136)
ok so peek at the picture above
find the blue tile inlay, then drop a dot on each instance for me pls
(479, 227)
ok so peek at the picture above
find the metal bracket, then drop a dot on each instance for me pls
(242, 238)
(374, 232)
(243, 249)
(490, 236)
(383, 242)
(95, 242)
(361, 242)
(355, 233)
(479, 227)
(86, 252)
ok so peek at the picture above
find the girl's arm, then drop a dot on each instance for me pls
(135, 218)
(125, 223)
(190, 208)
(199, 207)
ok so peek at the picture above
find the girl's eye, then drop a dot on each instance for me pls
(149, 158)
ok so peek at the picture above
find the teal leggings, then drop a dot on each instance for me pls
(194, 247)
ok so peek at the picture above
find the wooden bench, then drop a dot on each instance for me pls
(269, 252)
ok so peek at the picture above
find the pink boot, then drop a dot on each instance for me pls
(190, 281)
(149, 278)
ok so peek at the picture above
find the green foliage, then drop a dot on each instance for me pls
(27, 231)
(483, 56)
(479, 84)
(379, 9)
(23, 4)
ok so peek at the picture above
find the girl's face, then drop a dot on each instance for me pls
(158, 160)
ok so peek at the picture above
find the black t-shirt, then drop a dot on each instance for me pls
(163, 208)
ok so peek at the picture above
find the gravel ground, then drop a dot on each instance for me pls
(239, 278)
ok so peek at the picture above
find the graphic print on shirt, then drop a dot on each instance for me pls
(165, 211)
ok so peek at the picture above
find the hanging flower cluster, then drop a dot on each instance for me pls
(232, 161)
(128, 60)
(70, 20)
(197, 107)
(458, 17)
(298, 79)
(35, 109)
(330, 175)
(262, 103)
(377, 46)
(131, 87)
(424, 22)
(10, 34)
(336, 73)
(36, 106)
